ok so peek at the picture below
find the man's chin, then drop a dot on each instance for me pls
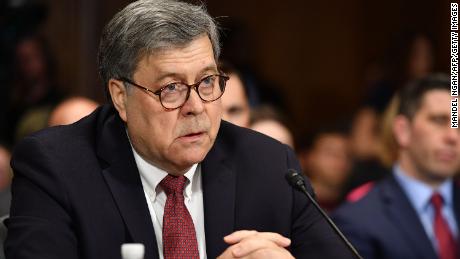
(444, 172)
(185, 159)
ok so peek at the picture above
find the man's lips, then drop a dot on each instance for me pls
(192, 136)
(447, 155)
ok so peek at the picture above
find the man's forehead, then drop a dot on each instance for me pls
(197, 58)
(436, 100)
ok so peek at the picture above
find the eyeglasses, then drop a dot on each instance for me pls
(174, 95)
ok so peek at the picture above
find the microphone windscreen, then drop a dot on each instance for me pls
(294, 178)
(132, 251)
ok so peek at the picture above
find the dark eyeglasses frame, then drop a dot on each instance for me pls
(194, 86)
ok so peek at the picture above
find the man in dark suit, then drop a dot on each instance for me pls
(415, 212)
(157, 166)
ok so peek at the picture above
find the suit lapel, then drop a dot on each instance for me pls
(404, 216)
(124, 182)
(219, 182)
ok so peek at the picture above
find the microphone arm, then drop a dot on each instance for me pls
(297, 181)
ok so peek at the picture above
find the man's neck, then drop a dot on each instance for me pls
(410, 169)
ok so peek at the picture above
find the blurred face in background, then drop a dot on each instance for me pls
(430, 148)
(5, 169)
(421, 58)
(274, 129)
(363, 136)
(31, 60)
(71, 110)
(328, 162)
(235, 103)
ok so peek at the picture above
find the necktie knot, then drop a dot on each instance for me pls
(173, 184)
(437, 201)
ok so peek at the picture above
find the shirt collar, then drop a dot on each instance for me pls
(152, 176)
(418, 192)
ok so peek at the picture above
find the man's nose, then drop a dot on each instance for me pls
(193, 105)
(453, 135)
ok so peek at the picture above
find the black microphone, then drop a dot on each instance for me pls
(296, 180)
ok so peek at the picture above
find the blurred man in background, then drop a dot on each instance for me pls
(235, 102)
(269, 121)
(415, 212)
(326, 160)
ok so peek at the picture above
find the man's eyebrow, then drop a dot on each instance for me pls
(164, 75)
(211, 67)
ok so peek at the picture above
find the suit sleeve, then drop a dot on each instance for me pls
(40, 225)
(311, 235)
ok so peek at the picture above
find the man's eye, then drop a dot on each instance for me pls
(171, 88)
(208, 80)
(440, 120)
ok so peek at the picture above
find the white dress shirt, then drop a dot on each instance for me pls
(151, 176)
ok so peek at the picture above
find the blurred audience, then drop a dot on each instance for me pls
(409, 56)
(71, 110)
(235, 101)
(415, 211)
(268, 121)
(326, 160)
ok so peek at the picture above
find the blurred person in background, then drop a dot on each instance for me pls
(267, 120)
(367, 171)
(6, 175)
(18, 20)
(365, 147)
(71, 110)
(415, 211)
(34, 89)
(326, 160)
(5, 181)
(235, 102)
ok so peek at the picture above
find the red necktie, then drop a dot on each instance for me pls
(446, 241)
(179, 238)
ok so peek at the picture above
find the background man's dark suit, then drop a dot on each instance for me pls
(383, 224)
(77, 194)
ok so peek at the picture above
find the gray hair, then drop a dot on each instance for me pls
(146, 26)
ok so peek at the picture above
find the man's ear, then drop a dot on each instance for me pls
(119, 97)
(402, 130)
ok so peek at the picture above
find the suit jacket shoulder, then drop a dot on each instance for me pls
(383, 224)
